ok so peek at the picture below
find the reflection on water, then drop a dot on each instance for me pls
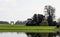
(15, 34)
(57, 36)
(12, 34)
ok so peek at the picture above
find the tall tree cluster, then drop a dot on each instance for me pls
(39, 19)
(35, 20)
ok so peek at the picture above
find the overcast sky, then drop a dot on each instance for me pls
(13, 10)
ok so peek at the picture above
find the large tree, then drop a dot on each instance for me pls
(40, 19)
(50, 14)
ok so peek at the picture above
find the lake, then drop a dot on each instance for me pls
(12, 34)
(15, 34)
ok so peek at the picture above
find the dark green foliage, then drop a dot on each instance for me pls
(35, 21)
(54, 23)
(50, 21)
(40, 18)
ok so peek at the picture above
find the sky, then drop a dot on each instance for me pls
(13, 10)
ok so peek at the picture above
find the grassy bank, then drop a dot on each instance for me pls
(22, 28)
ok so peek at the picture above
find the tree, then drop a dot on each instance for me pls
(50, 14)
(44, 23)
(4, 22)
(18, 22)
(40, 19)
(29, 22)
(58, 23)
(35, 21)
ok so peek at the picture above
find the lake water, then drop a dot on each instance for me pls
(15, 34)
(12, 34)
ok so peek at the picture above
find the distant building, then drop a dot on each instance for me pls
(12, 22)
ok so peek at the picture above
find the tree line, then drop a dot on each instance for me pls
(43, 20)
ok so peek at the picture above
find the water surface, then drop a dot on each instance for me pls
(12, 34)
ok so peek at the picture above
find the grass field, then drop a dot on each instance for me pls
(22, 28)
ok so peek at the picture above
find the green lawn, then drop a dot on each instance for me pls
(22, 28)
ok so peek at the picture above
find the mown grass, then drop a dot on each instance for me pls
(22, 28)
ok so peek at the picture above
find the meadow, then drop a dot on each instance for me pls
(22, 28)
